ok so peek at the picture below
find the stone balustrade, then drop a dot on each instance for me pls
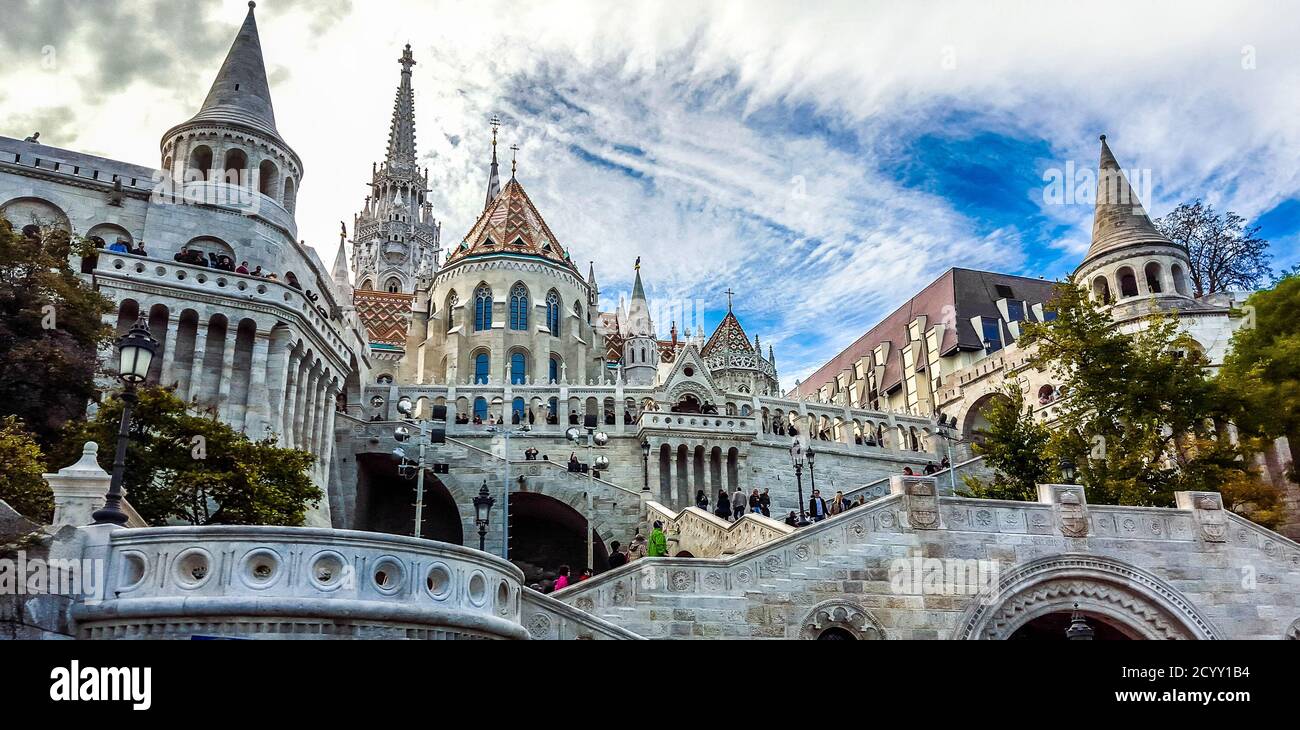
(175, 582)
(694, 532)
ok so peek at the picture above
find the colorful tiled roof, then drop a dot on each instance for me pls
(386, 317)
(511, 224)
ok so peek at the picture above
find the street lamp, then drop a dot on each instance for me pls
(797, 458)
(482, 511)
(135, 354)
(812, 476)
(1068, 470)
(594, 438)
(947, 431)
(1079, 629)
(645, 465)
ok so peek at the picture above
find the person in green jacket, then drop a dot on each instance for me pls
(658, 547)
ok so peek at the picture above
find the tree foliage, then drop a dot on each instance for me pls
(1224, 252)
(1141, 417)
(21, 467)
(51, 327)
(1015, 446)
(1262, 370)
(186, 466)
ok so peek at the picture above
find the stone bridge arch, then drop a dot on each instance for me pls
(840, 619)
(1129, 599)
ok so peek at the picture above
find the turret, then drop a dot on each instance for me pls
(640, 347)
(1129, 260)
(233, 138)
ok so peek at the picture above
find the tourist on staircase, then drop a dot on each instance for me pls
(723, 509)
(738, 503)
(817, 506)
(658, 546)
(701, 500)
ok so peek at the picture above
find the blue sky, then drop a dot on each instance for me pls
(823, 160)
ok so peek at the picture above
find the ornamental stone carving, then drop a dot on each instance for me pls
(1071, 506)
(539, 625)
(1207, 509)
(921, 500)
(844, 615)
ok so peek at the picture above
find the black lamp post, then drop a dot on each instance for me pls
(135, 353)
(1068, 470)
(645, 465)
(482, 512)
(797, 458)
(812, 476)
(1079, 629)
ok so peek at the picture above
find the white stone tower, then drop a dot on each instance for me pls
(1130, 263)
(232, 142)
(395, 237)
(640, 347)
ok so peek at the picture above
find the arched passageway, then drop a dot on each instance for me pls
(385, 502)
(546, 533)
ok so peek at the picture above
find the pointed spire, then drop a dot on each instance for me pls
(1119, 219)
(401, 133)
(771, 356)
(638, 291)
(638, 310)
(340, 271)
(240, 94)
(494, 179)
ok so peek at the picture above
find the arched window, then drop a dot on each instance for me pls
(1180, 281)
(519, 307)
(577, 310)
(1154, 275)
(290, 194)
(394, 285)
(519, 410)
(553, 313)
(483, 308)
(518, 367)
(367, 285)
(553, 374)
(1101, 289)
(452, 302)
(236, 167)
(480, 408)
(481, 364)
(200, 163)
(267, 178)
(1128, 284)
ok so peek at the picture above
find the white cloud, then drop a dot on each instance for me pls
(819, 238)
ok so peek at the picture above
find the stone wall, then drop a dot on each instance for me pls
(1193, 572)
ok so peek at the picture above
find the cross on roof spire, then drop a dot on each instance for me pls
(514, 163)
(729, 294)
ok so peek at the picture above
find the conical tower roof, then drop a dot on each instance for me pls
(512, 225)
(728, 337)
(1119, 220)
(240, 94)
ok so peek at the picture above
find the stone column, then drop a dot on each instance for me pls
(322, 410)
(289, 397)
(308, 417)
(169, 352)
(257, 409)
(195, 389)
(227, 408)
(300, 400)
(327, 443)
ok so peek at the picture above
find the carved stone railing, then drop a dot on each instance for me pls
(880, 487)
(547, 618)
(175, 582)
(702, 534)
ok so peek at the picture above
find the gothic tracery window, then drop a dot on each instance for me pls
(452, 302)
(483, 308)
(553, 313)
(519, 307)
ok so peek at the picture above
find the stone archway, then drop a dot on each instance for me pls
(840, 619)
(1135, 602)
(1293, 631)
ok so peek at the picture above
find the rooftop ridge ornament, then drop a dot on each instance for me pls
(514, 161)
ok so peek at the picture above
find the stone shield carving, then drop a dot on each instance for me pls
(922, 505)
(1073, 517)
(1214, 524)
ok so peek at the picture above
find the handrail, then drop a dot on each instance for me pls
(554, 464)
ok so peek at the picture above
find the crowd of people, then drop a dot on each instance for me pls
(655, 546)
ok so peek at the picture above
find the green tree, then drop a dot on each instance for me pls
(1142, 418)
(1015, 446)
(1262, 370)
(1224, 252)
(188, 466)
(21, 467)
(51, 327)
